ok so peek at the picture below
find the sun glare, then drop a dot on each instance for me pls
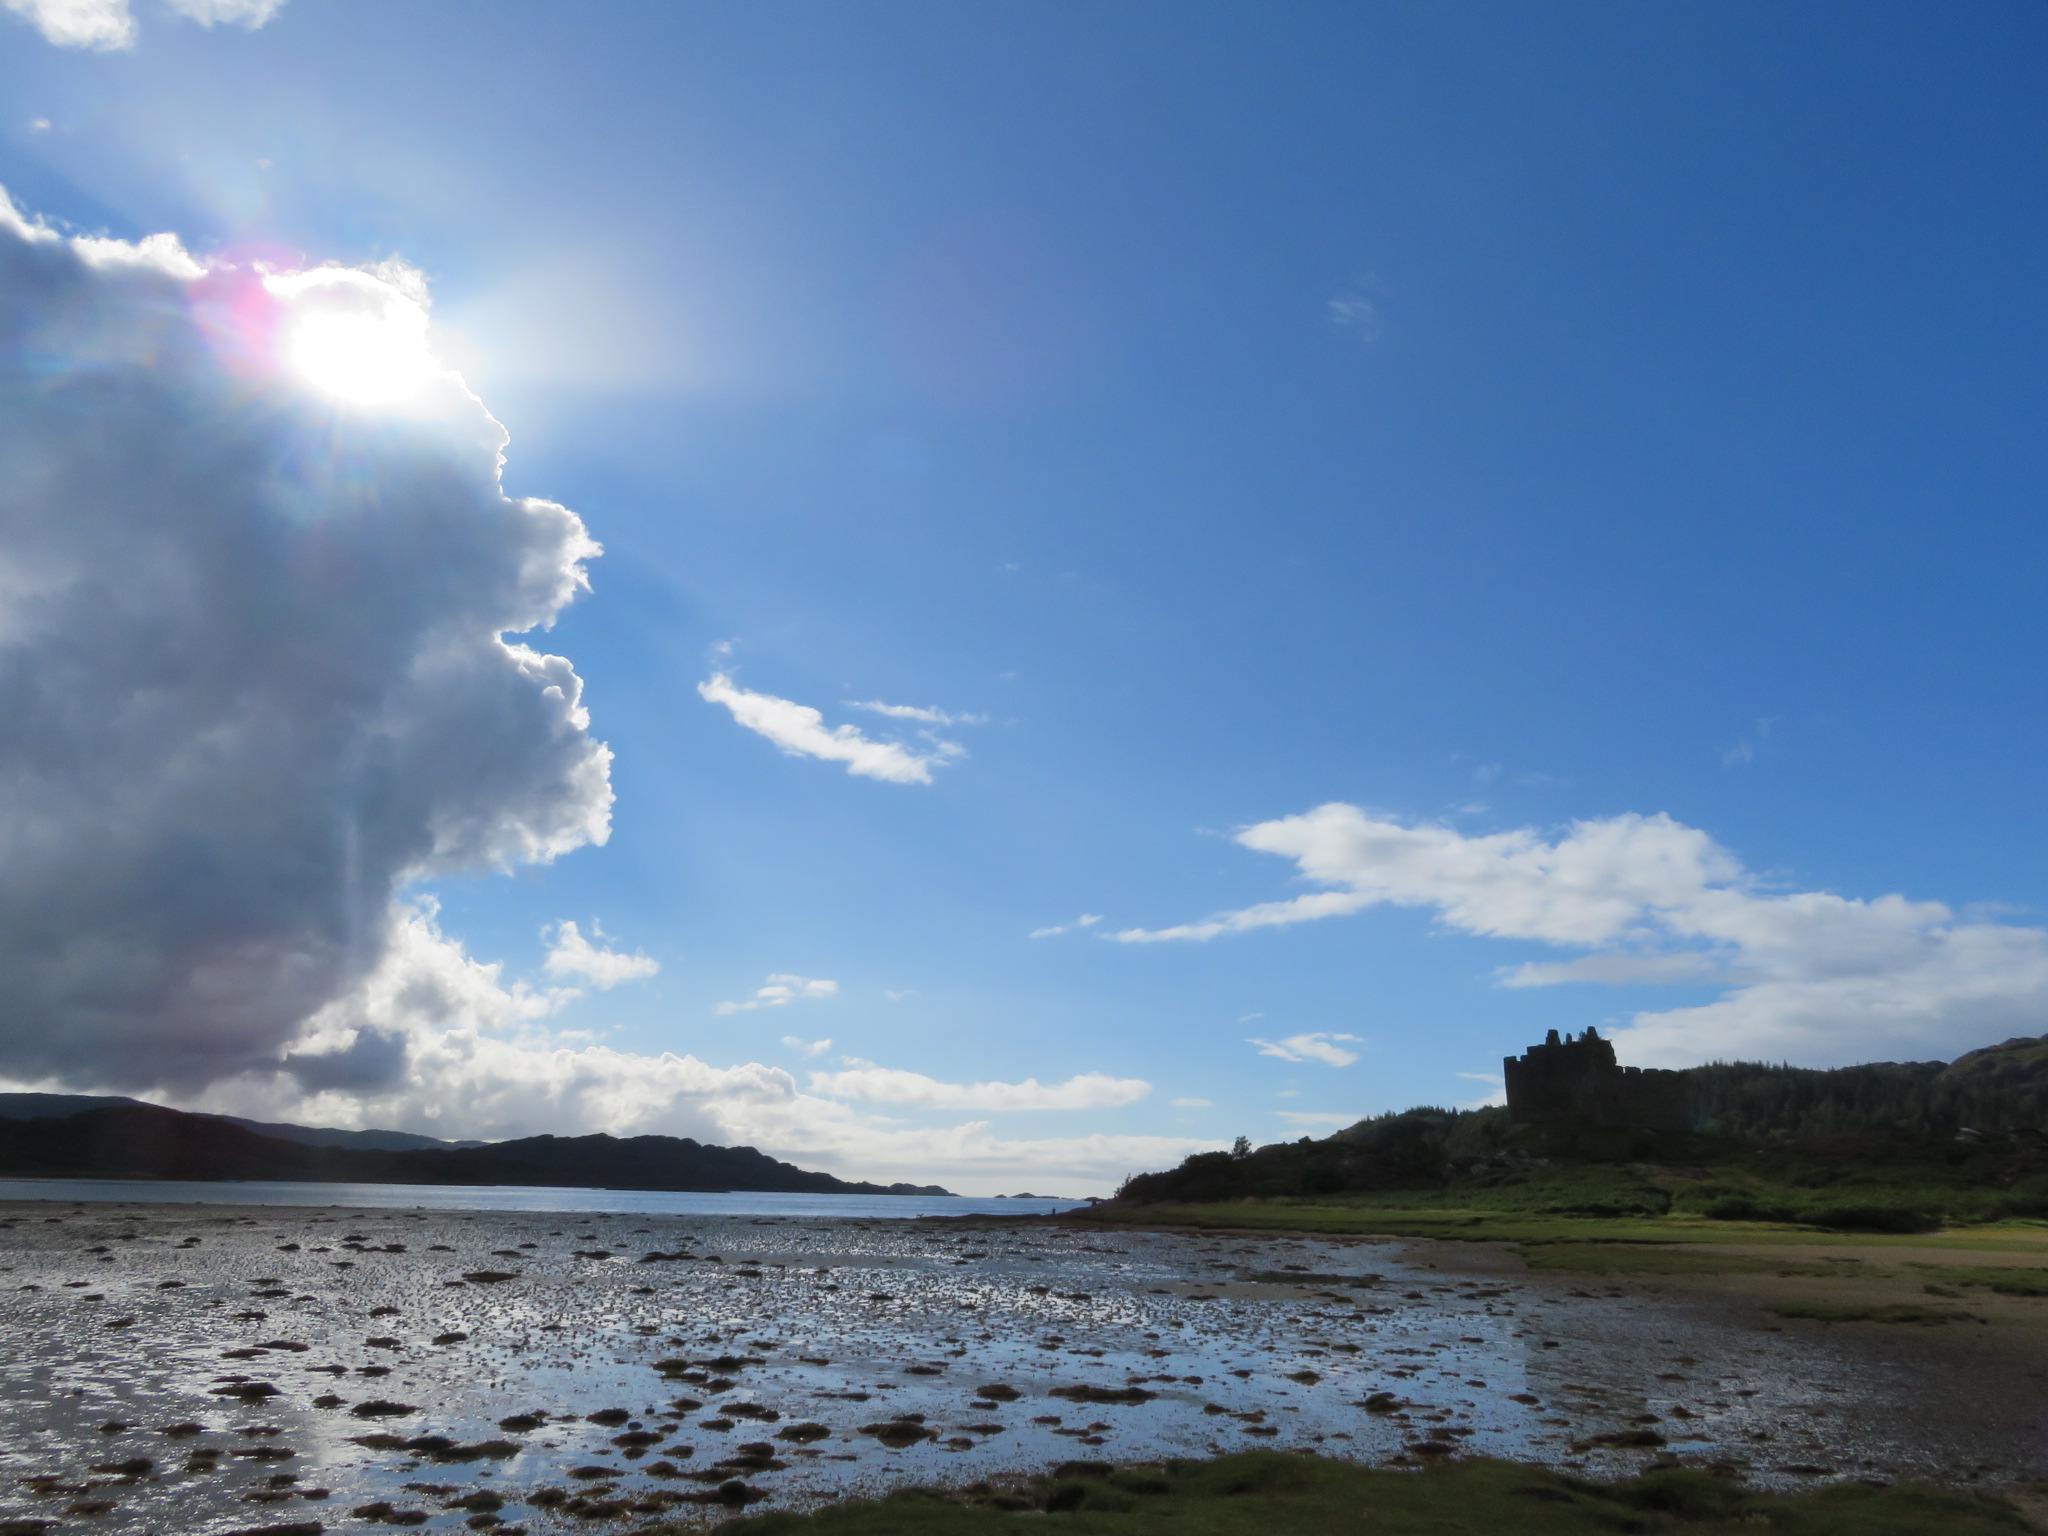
(365, 359)
(354, 336)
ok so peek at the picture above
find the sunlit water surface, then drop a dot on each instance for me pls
(280, 1330)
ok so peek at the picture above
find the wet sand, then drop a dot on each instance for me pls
(215, 1369)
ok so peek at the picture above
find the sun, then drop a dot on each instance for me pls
(353, 336)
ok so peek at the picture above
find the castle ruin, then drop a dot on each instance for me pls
(1577, 1079)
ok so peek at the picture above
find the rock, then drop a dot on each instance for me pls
(900, 1433)
(383, 1513)
(1621, 1440)
(1088, 1394)
(134, 1466)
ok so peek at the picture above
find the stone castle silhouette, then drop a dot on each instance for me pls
(1578, 1079)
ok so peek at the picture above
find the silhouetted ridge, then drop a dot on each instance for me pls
(128, 1140)
(1570, 1100)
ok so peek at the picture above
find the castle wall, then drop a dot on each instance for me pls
(1578, 1079)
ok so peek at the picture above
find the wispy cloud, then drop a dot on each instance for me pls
(930, 716)
(1193, 1104)
(1085, 920)
(865, 1081)
(1355, 310)
(800, 731)
(571, 954)
(807, 1047)
(1312, 1047)
(1745, 750)
(782, 989)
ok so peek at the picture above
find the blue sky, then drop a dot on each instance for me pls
(1517, 423)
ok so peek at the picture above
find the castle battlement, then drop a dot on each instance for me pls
(1577, 1078)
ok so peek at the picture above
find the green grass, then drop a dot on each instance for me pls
(1395, 1216)
(1275, 1494)
(2006, 1282)
(1665, 1259)
(1853, 1312)
(1353, 1216)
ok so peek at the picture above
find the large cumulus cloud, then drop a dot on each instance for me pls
(261, 680)
(255, 673)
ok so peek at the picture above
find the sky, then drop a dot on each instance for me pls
(998, 594)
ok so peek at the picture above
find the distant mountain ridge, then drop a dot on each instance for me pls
(126, 1139)
(55, 1106)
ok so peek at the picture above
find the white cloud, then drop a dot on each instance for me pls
(1805, 976)
(1193, 1104)
(1315, 1047)
(885, 1085)
(571, 954)
(782, 990)
(1498, 1086)
(1308, 1118)
(800, 731)
(110, 24)
(255, 657)
(1085, 920)
(437, 1042)
(101, 24)
(807, 1047)
(915, 712)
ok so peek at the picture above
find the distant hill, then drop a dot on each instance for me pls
(124, 1139)
(50, 1106)
(1999, 1088)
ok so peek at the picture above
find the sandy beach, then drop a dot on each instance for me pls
(215, 1369)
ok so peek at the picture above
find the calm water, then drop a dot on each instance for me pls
(518, 1197)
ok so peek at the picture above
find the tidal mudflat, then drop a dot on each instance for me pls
(215, 1369)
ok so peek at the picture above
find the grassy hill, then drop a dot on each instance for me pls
(1885, 1147)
